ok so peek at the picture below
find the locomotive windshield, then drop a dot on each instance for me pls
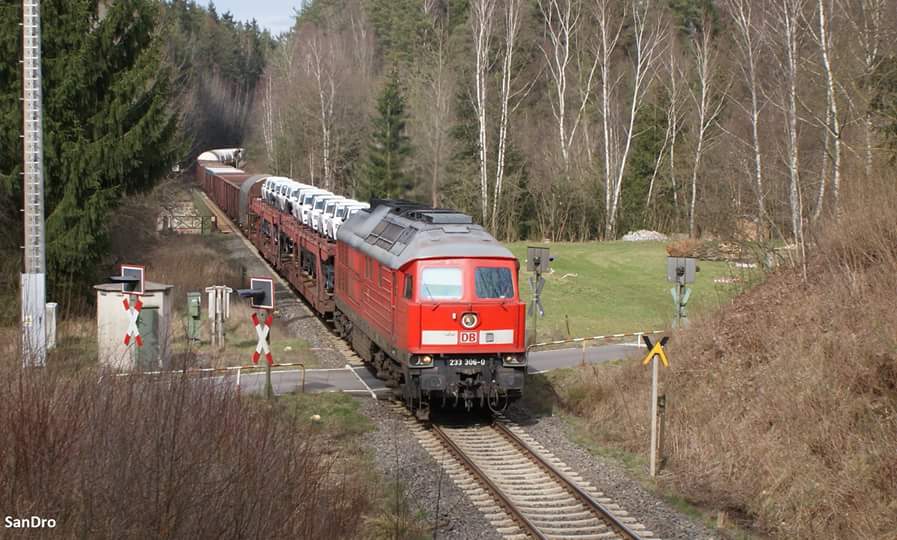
(440, 284)
(494, 283)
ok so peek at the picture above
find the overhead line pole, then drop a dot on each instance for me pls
(34, 292)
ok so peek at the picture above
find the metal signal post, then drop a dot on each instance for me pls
(34, 292)
(538, 260)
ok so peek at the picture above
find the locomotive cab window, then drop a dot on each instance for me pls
(494, 283)
(440, 284)
(409, 286)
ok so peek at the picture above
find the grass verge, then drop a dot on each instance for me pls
(597, 288)
(564, 393)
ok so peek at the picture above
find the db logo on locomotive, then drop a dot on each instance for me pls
(469, 337)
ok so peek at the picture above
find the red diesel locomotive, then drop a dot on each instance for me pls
(426, 297)
(430, 300)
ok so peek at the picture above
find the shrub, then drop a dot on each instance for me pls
(166, 458)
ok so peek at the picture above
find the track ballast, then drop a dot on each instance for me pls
(522, 489)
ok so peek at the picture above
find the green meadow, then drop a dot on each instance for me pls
(614, 287)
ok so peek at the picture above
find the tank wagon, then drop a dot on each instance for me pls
(426, 297)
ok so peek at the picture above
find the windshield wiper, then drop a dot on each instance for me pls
(430, 296)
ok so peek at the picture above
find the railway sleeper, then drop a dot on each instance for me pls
(509, 466)
(548, 498)
(532, 491)
(592, 522)
(529, 479)
(599, 536)
(578, 512)
(546, 502)
(506, 467)
(534, 516)
(535, 510)
(567, 532)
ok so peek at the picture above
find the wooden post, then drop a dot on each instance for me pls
(653, 457)
(583, 353)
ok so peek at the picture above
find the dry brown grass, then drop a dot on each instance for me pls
(167, 458)
(783, 407)
(190, 263)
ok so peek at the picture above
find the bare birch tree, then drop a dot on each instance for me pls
(867, 22)
(320, 66)
(482, 18)
(562, 21)
(434, 103)
(673, 117)
(788, 14)
(708, 104)
(511, 12)
(832, 122)
(747, 39)
(647, 39)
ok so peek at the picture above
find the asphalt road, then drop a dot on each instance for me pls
(540, 361)
(358, 380)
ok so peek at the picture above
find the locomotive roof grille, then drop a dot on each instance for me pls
(396, 232)
(421, 212)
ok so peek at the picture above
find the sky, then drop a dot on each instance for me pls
(275, 15)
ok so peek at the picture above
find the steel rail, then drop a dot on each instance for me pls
(604, 513)
(503, 499)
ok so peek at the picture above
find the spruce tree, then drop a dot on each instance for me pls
(384, 174)
(109, 129)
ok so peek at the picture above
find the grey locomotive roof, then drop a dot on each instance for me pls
(395, 240)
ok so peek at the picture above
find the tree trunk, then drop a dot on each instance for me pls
(481, 25)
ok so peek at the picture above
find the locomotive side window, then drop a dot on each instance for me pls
(409, 286)
(494, 283)
(440, 284)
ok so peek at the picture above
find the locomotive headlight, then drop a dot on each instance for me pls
(421, 361)
(514, 360)
(469, 320)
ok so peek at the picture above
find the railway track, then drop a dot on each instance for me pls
(521, 488)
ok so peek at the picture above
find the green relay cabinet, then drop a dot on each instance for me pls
(194, 309)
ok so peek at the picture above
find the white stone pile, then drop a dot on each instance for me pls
(645, 236)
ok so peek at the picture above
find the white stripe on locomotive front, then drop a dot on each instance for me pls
(450, 337)
(496, 337)
(439, 337)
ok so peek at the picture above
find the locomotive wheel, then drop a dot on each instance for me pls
(379, 365)
(338, 324)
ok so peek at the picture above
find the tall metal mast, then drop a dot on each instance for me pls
(34, 339)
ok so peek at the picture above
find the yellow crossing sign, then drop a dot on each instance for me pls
(656, 349)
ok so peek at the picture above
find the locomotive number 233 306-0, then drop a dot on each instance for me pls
(455, 362)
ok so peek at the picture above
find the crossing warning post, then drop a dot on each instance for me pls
(261, 296)
(133, 284)
(655, 352)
